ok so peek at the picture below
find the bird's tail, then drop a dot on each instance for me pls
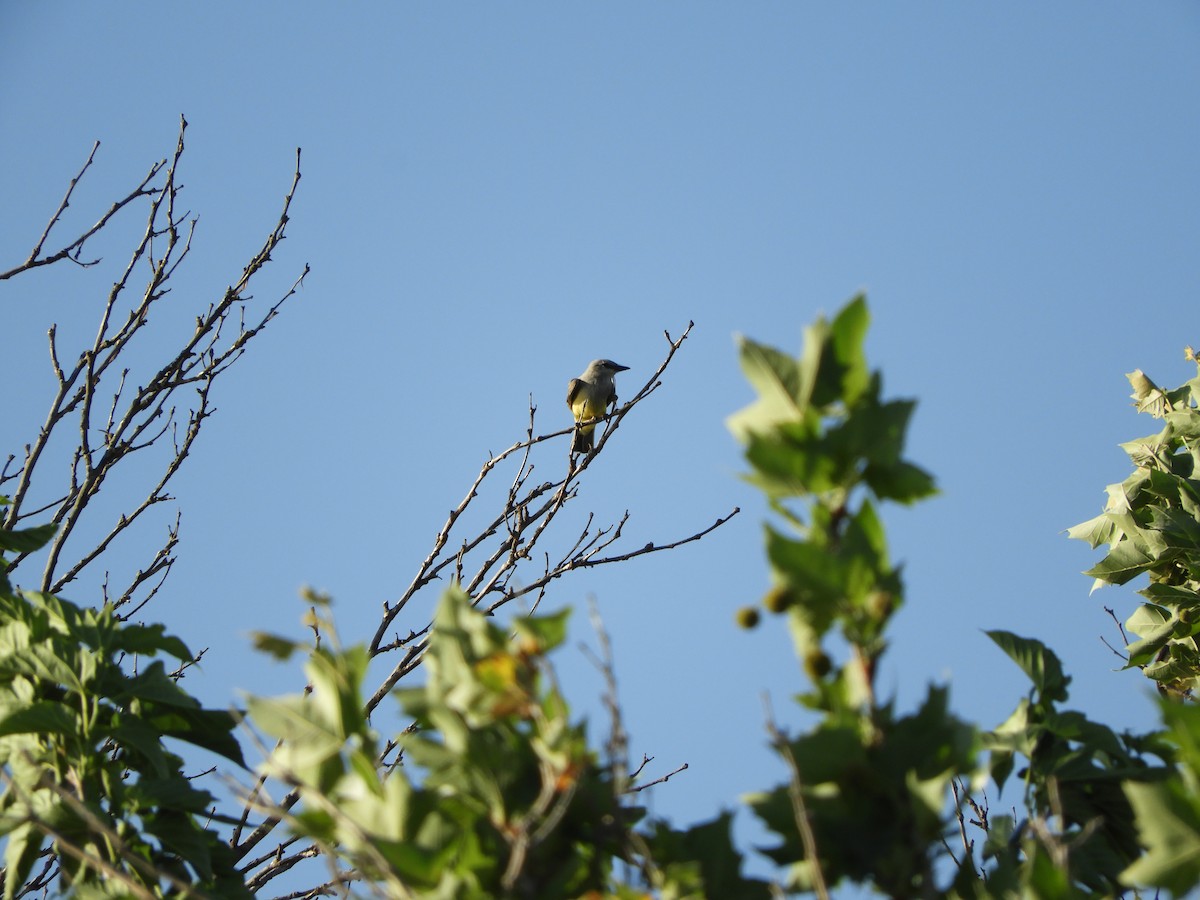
(581, 442)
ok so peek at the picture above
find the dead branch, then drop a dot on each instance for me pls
(115, 416)
(525, 517)
(72, 250)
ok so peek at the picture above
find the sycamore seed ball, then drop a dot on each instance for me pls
(817, 664)
(778, 599)
(747, 617)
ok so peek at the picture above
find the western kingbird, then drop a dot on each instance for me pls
(589, 396)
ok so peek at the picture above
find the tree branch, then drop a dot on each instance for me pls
(115, 419)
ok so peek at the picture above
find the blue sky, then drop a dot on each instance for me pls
(494, 194)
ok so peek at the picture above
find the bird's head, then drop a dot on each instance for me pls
(607, 365)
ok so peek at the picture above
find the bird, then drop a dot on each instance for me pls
(589, 396)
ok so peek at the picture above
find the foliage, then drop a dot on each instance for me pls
(495, 792)
(86, 767)
(867, 795)
(1151, 524)
(1078, 836)
(1168, 810)
(867, 788)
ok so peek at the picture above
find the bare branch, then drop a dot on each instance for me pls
(72, 250)
(524, 524)
(117, 418)
(662, 780)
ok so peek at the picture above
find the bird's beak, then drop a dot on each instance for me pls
(620, 368)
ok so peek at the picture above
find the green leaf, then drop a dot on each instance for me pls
(708, 850)
(308, 738)
(1168, 824)
(932, 743)
(1016, 734)
(874, 432)
(1125, 562)
(776, 378)
(212, 729)
(865, 538)
(1172, 596)
(140, 737)
(280, 648)
(824, 754)
(1146, 452)
(24, 843)
(419, 866)
(1037, 661)
(336, 680)
(27, 540)
(180, 834)
(154, 685)
(817, 577)
(1147, 396)
(547, 631)
(902, 482)
(1155, 628)
(149, 640)
(792, 462)
(1096, 531)
(1075, 726)
(42, 716)
(843, 374)
(1184, 423)
(1178, 529)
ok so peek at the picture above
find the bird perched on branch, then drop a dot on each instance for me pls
(589, 396)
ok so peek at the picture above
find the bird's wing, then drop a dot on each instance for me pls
(574, 386)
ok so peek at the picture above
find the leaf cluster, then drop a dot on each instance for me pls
(85, 706)
(1151, 524)
(1079, 835)
(492, 791)
(868, 797)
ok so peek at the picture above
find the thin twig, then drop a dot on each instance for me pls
(799, 807)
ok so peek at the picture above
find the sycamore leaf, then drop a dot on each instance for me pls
(211, 729)
(273, 645)
(776, 378)
(791, 462)
(1096, 531)
(1168, 824)
(1124, 562)
(41, 717)
(1172, 596)
(1147, 396)
(902, 482)
(843, 374)
(704, 856)
(148, 640)
(1038, 661)
(26, 540)
(1155, 627)
(544, 632)
(24, 843)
